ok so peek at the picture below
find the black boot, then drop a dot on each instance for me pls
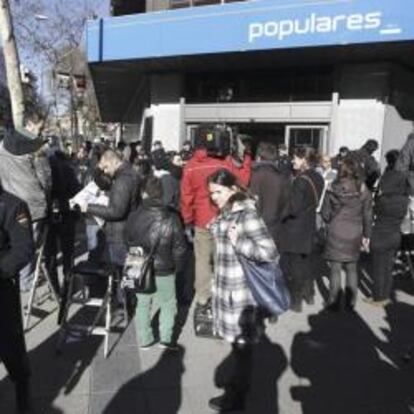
(296, 305)
(349, 300)
(296, 301)
(23, 397)
(334, 304)
(230, 401)
(309, 293)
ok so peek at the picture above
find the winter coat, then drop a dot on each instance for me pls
(170, 188)
(18, 172)
(143, 230)
(390, 208)
(65, 184)
(16, 238)
(271, 187)
(298, 229)
(348, 214)
(196, 207)
(232, 300)
(124, 197)
(405, 162)
(369, 168)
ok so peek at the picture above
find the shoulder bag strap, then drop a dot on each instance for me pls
(315, 193)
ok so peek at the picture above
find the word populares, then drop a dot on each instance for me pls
(314, 24)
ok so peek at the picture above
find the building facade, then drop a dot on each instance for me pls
(325, 73)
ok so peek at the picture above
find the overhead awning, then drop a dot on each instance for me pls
(244, 35)
(249, 26)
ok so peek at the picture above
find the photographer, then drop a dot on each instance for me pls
(197, 210)
(124, 197)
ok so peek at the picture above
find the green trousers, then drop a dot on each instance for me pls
(164, 298)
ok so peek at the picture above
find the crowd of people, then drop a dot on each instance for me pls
(298, 209)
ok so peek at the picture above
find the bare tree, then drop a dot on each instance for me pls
(49, 32)
(12, 62)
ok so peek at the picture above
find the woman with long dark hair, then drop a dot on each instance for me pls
(347, 210)
(298, 229)
(238, 230)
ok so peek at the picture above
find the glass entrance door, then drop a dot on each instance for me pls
(315, 136)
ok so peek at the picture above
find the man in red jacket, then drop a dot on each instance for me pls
(197, 211)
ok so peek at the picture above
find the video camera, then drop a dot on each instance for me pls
(216, 138)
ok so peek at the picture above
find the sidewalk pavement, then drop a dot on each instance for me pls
(311, 363)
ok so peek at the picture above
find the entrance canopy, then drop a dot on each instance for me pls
(244, 35)
(249, 26)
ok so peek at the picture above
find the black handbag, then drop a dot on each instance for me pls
(139, 272)
(204, 323)
(267, 285)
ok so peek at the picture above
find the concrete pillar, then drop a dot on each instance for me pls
(360, 110)
(166, 109)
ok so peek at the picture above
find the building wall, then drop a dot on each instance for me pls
(167, 126)
(361, 108)
(166, 109)
(356, 121)
(359, 105)
(396, 130)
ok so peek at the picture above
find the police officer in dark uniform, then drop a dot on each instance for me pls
(16, 250)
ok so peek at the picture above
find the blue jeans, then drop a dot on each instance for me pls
(95, 239)
(92, 230)
(117, 253)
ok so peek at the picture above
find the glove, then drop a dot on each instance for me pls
(189, 232)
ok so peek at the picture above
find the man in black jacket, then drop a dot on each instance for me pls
(124, 197)
(16, 250)
(270, 186)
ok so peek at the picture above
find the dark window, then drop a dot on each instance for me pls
(260, 86)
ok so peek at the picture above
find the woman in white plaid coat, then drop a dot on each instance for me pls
(238, 230)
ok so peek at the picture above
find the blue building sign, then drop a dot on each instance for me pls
(249, 26)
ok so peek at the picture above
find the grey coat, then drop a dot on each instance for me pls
(19, 177)
(348, 214)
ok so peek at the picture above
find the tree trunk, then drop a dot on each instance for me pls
(11, 58)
